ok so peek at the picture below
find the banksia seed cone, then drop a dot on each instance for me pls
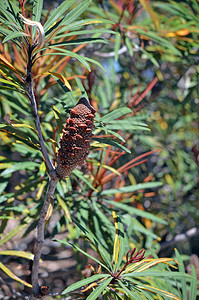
(75, 142)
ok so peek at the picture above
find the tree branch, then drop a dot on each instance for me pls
(40, 236)
(51, 187)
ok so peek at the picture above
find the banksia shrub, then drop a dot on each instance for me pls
(76, 139)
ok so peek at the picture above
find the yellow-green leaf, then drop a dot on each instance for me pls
(18, 253)
(12, 275)
(116, 247)
(151, 12)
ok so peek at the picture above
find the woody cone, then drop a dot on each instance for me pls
(76, 139)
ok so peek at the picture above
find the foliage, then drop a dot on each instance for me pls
(118, 174)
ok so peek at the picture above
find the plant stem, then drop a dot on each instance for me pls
(51, 187)
(40, 236)
(49, 165)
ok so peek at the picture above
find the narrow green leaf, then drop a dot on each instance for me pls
(3, 185)
(158, 291)
(112, 143)
(27, 165)
(102, 252)
(182, 270)
(64, 52)
(94, 295)
(83, 32)
(14, 35)
(156, 274)
(57, 13)
(117, 113)
(95, 62)
(127, 122)
(137, 226)
(130, 292)
(20, 135)
(129, 46)
(37, 10)
(77, 42)
(82, 283)
(68, 96)
(81, 87)
(117, 45)
(163, 42)
(36, 15)
(132, 188)
(10, 83)
(76, 12)
(80, 175)
(80, 250)
(58, 118)
(135, 211)
(193, 286)
(144, 294)
(126, 126)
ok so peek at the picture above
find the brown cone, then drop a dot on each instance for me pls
(75, 142)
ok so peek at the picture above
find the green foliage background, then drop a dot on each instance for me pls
(137, 62)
